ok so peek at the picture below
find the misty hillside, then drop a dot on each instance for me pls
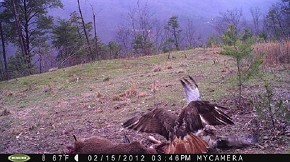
(41, 112)
(112, 13)
(214, 62)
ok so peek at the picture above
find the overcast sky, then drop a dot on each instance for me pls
(111, 13)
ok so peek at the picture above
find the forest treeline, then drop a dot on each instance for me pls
(43, 42)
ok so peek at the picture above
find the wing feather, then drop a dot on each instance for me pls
(211, 113)
(189, 118)
(157, 120)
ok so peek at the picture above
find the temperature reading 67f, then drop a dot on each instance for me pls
(60, 158)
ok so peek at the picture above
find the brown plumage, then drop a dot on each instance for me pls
(210, 114)
(190, 144)
(155, 121)
(163, 122)
(100, 145)
(175, 128)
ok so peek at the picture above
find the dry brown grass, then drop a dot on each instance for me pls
(155, 86)
(132, 91)
(100, 97)
(142, 94)
(117, 98)
(274, 52)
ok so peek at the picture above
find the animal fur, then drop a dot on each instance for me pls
(100, 145)
(208, 137)
(227, 142)
(208, 134)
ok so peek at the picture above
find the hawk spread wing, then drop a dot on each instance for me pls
(192, 118)
(158, 120)
(210, 113)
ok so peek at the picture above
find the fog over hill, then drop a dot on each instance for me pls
(112, 13)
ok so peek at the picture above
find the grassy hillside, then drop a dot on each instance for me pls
(40, 113)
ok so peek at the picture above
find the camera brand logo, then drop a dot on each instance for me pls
(18, 158)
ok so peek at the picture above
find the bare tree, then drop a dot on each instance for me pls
(230, 17)
(4, 53)
(41, 50)
(85, 31)
(158, 35)
(189, 34)
(123, 37)
(141, 23)
(256, 14)
(95, 33)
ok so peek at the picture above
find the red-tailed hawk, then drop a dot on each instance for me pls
(180, 129)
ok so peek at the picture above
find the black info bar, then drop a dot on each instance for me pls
(142, 158)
